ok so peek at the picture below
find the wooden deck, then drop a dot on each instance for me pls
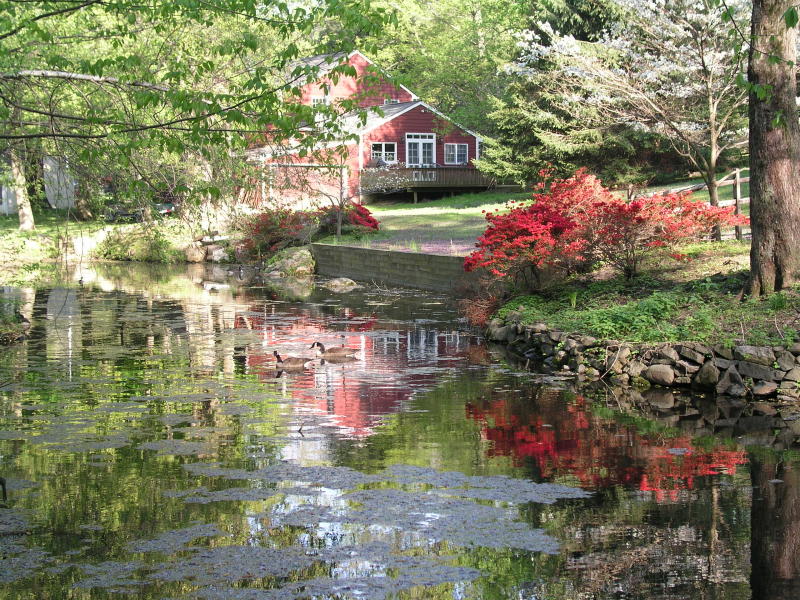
(388, 180)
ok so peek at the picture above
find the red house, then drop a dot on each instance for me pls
(403, 144)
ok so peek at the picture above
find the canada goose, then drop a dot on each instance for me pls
(292, 362)
(23, 320)
(333, 353)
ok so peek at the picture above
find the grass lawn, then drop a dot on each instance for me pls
(26, 255)
(443, 226)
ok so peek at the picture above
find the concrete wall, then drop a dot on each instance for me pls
(424, 271)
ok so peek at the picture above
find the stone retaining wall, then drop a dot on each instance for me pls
(424, 271)
(738, 371)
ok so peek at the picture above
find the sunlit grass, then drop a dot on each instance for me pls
(455, 221)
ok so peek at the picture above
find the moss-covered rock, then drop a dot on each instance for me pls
(291, 262)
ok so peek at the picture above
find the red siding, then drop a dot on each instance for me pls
(345, 87)
(419, 120)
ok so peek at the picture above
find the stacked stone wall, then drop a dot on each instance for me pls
(739, 371)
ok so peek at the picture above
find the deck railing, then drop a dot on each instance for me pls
(389, 179)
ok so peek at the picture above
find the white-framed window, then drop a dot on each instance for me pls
(456, 154)
(421, 149)
(320, 101)
(391, 101)
(385, 151)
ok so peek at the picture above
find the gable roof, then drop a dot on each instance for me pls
(351, 122)
(327, 62)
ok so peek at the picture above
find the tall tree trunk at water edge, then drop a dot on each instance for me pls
(20, 187)
(774, 152)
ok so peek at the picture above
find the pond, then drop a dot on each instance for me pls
(151, 449)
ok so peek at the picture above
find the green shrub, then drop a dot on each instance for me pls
(141, 244)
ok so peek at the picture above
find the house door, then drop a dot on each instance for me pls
(420, 149)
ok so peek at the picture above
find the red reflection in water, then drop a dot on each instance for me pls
(568, 439)
(356, 395)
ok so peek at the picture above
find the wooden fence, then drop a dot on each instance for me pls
(735, 179)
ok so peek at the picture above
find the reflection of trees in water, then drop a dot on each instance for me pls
(553, 438)
(684, 532)
(775, 545)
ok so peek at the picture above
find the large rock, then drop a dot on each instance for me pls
(635, 368)
(660, 374)
(730, 382)
(793, 374)
(291, 262)
(722, 363)
(785, 360)
(724, 352)
(691, 354)
(765, 388)
(216, 253)
(757, 371)
(667, 353)
(685, 367)
(341, 285)
(708, 376)
(195, 252)
(754, 354)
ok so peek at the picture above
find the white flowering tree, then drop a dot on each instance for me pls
(671, 66)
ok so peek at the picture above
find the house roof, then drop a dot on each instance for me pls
(351, 122)
(327, 62)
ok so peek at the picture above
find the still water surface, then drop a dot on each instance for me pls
(152, 450)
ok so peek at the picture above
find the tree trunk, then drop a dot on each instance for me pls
(20, 188)
(713, 199)
(774, 152)
(83, 201)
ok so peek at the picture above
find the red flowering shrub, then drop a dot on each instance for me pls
(278, 228)
(361, 216)
(357, 217)
(576, 221)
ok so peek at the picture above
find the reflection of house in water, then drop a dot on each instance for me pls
(392, 366)
(64, 342)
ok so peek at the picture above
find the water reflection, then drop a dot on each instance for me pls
(152, 448)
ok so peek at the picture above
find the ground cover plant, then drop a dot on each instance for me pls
(696, 297)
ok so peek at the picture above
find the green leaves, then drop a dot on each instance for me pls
(791, 17)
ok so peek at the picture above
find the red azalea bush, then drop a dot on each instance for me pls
(356, 218)
(576, 222)
(360, 216)
(277, 228)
